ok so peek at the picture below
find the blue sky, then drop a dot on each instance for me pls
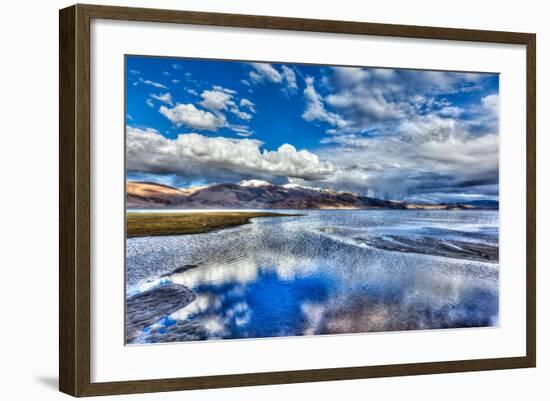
(401, 134)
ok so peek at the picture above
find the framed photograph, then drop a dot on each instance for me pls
(250, 200)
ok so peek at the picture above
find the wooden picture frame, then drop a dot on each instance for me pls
(74, 203)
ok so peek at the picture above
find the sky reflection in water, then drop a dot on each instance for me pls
(314, 275)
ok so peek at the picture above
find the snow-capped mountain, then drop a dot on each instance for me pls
(258, 194)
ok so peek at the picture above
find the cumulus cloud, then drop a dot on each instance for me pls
(402, 138)
(365, 103)
(193, 154)
(369, 106)
(427, 154)
(398, 134)
(221, 99)
(315, 109)
(369, 98)
(215, 100)
(190, 116)
(265, 72)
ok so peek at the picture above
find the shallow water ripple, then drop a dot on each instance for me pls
(329, 272)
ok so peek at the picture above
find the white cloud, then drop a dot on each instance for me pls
(241, 130)
(384, 73)
(150, 103)
(149, 151)
(394, 133)
(241, 114)
(491, 103)
(265, 71)
(315, 110)
(220, 99)
(152, 83)
(424, 153)
(215, 100)
(221, 88)
(290, 77)
(164, 98)
(248, 104)
(429, 127)
(367, 105)
(192, 92)
(346, 77)
(453, 153)
(190, 116)
(374, 98)
(423, 149)
(450, 111)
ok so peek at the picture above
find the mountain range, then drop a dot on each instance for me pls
(257, 194)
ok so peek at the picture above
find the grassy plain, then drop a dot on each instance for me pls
(145, 224)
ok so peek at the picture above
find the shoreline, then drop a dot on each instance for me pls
(148, 224)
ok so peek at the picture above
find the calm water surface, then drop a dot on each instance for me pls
(327, 272)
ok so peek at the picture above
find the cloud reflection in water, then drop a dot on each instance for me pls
(292, 277)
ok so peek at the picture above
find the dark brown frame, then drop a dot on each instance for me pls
(74, 199)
